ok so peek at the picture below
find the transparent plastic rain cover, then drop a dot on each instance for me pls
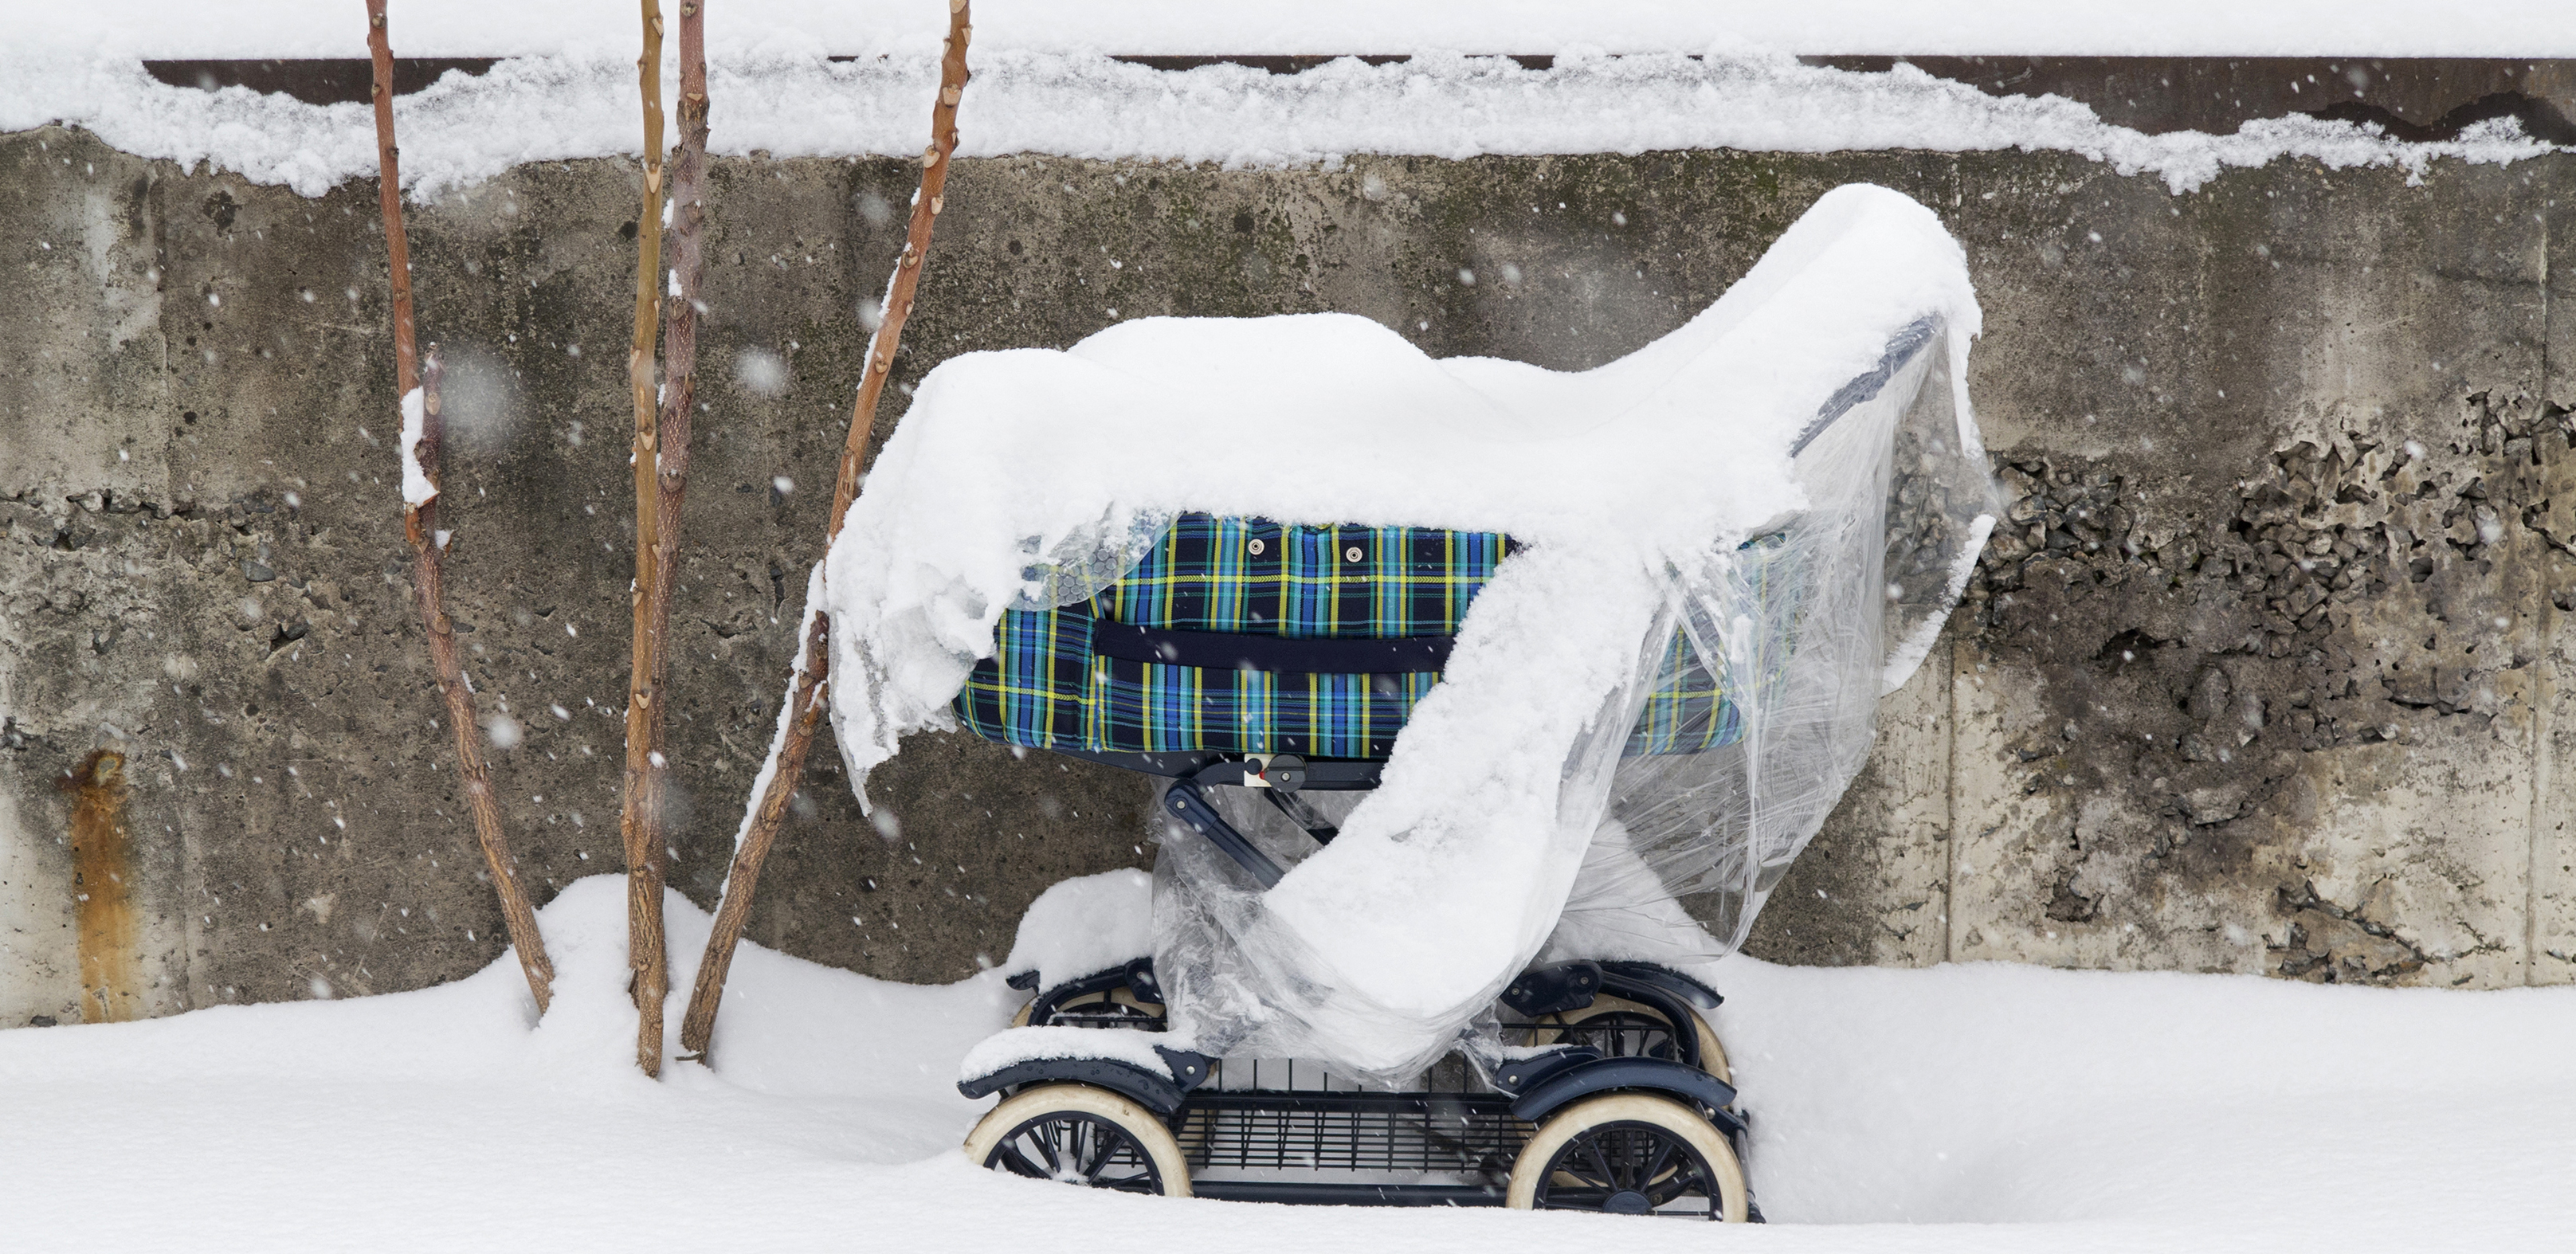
(1792, 481)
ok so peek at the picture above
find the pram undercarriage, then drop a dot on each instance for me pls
(1615, 1098)
(1609, 1090)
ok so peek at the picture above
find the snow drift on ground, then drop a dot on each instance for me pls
(780, 94)
(1989, 1108)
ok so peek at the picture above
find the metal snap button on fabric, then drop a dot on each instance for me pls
(1352, 553)
(1256, 546)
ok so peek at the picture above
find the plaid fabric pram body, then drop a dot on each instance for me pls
(1048, 687)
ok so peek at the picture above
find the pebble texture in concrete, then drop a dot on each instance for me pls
(2262, 674)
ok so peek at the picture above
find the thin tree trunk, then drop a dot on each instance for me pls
(807, 683)
(640, 822)
(421, 436)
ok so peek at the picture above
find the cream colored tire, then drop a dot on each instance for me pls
(1171, 1169)
(1712, 1053)
(1670, 1117)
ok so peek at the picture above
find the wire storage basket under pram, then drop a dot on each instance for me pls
(1452, 817)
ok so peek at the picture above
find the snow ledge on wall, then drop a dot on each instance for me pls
(796, 102)
(256, 29)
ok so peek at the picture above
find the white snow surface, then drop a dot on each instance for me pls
(780, 95)
(417, 488)
(1084, 926)
(1449, 875)
(328, 28)
(1989, 1109)
(1017, 1045)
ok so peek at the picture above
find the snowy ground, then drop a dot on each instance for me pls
(1985, 1108)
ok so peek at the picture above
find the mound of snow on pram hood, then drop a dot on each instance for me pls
(1013, 468)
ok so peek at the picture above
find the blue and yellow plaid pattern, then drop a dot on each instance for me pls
(1045, 688)
(1686, 711)
(1259, 578)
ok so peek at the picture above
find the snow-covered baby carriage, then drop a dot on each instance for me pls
(1490, 701)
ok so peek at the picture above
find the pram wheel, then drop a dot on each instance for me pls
(1116, 1008)
(1630, 1153)
(1620, 1028)
(1079, 1134)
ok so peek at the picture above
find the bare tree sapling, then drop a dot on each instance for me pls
(422, 429)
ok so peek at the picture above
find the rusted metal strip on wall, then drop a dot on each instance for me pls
(2414, 98)
(111, 966)
(313, 80)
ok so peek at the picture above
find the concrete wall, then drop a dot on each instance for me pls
(2262, 676)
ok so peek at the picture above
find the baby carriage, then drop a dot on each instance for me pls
(1454, 813)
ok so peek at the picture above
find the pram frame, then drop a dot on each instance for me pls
(1194, 1103)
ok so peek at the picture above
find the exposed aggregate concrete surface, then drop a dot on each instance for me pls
(2262, 674)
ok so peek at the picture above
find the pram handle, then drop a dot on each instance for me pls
(1901, 349)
